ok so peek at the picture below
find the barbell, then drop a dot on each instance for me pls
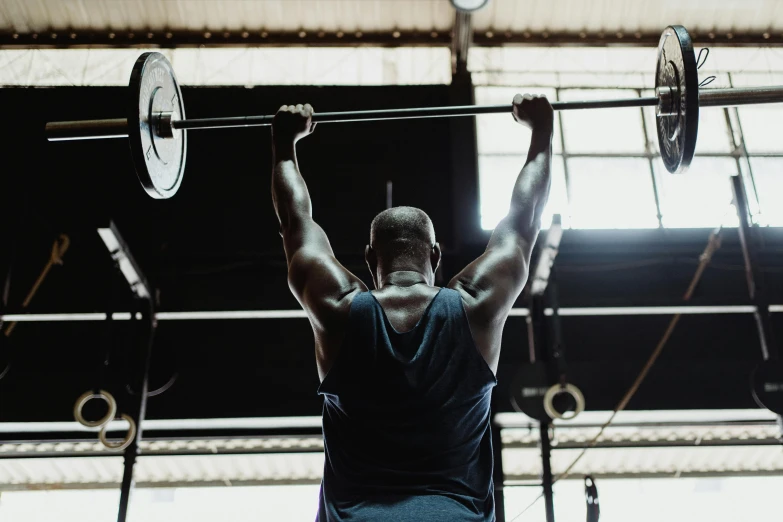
(156, 123)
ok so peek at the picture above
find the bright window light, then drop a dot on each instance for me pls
(699, 198)
(238, 504)
(722, 499)
(768, 175)
(596, 131)
(714, 135)
(499, 133)
(611, 193)
(496, 181)
(762, 127)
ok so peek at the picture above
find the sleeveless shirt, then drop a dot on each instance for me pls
(406, 419)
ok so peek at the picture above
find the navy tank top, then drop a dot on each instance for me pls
(406, 420)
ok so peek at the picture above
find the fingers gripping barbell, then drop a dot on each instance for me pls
(156, 121)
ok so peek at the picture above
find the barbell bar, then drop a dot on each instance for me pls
(118, 128)
(157, 121)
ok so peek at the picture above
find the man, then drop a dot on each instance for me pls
(407, 370)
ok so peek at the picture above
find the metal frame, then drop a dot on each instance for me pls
(138, 409)
(539, 278)
(64, 38)
(461, 40)
(126, 265)
(233, 315)
(541, 349)
(753, 274)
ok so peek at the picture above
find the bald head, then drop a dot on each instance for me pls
(402, 232)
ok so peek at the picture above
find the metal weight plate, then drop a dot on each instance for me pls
(528, 389)
(677, 71)
(767, 385)
(160, 162)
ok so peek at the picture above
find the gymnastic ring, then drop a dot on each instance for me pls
(87, 397)
(128, 436)
(571, 390)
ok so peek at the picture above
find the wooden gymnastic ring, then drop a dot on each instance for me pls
(128, 436)
(87, 397)
(570, 389)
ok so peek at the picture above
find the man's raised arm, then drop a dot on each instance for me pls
(319, 282)
(492, 283)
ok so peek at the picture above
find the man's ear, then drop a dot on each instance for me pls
(371, 258)
(435, 257)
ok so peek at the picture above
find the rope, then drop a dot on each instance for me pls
(713, 244)
(59, 248)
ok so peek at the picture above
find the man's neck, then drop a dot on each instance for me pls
(403, 278)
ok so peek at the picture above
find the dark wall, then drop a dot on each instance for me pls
(215, 246)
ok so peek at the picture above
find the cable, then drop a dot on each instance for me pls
(59, 248)
(713, 244)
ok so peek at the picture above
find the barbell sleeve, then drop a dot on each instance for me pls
(740, 96)
(86, 129)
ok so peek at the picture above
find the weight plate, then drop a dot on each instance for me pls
(677, 71)
(767, 385)
(528, 389)
(160, 162)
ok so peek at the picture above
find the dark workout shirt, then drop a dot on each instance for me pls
(406, 420)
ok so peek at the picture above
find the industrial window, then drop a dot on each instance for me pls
(607, 169)
(611, 193)
(502, 147)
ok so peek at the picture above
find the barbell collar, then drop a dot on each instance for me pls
(163, 125)
(665, 102)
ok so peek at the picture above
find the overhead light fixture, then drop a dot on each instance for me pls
(469, 6)
(120, 252)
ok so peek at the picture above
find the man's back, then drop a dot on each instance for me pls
(407, 417)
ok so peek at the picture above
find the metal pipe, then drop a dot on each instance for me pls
(753, 274)
(138, 409)
(590, 311)
(498, 477)
(547, 480)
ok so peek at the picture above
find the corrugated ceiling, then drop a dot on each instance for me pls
(226, 15)
(739, 16)
(556, 16)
